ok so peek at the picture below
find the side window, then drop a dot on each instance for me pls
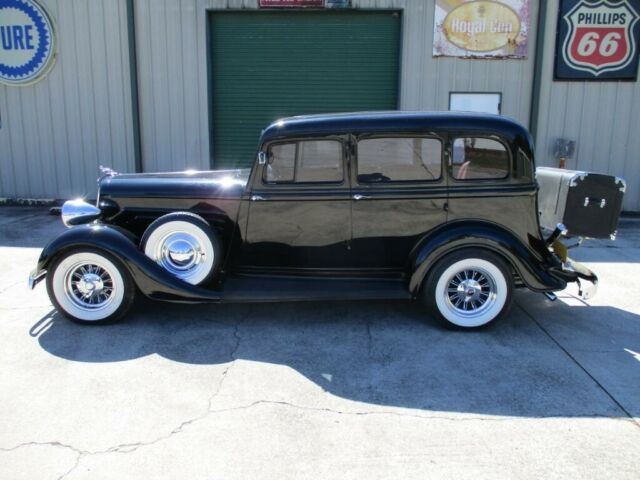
(479, 158)
(319, 161)
(281, 163)
(314, 161)
(399, 159)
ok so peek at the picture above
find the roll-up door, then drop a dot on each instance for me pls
(270, 64)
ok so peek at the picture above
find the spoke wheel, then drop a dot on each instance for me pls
(470, 293)
(469, 289)
(90, 287)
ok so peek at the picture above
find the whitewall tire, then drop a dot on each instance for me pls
(90, 286)
(183, 244)
(469, 289)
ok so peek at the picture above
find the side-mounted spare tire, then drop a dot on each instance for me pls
(468, 289)
(184, 244)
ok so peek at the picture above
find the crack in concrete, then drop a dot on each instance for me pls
(73, 467)
(622, 408)
(370, 339)
(132, 447)
(232, 357)
(125, 448)
(9, 287)
(407, 415)
(42, 444)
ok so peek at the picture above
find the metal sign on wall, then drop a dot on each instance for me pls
(304, 3)
(27, 42)
(481, 28)
(598, 40)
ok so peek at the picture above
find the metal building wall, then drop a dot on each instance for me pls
(172, 65)
(54, 134)
(602, 117)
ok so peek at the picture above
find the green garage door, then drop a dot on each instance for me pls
(268, 65)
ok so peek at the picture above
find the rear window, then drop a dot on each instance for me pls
(309, 161)
(399, 159)
(477, 158)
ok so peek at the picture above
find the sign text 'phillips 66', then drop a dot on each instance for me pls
(598, 40)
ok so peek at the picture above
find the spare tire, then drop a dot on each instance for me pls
(184, 244)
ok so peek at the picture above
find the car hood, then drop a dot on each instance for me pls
(188, 184)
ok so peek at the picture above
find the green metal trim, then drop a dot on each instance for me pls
(537, 69)
(133, 78)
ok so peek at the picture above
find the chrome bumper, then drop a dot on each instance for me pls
(583, 274)
(35, 277)
(572, 271)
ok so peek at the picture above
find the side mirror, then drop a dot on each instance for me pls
(262, 158)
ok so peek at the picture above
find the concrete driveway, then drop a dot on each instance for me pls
(339, 390)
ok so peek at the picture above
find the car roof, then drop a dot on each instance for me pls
(392, 121)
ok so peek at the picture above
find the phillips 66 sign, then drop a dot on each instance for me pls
(598, 40)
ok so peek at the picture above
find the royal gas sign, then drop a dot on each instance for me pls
(481, 28)
(27, 42)
(598, 40)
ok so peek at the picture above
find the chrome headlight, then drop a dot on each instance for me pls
(76, 212)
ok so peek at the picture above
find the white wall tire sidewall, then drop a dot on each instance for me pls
(160, 232)
(60, 293)
(486, 316)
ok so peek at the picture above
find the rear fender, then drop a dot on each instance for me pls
(151, 279)
(531, 263)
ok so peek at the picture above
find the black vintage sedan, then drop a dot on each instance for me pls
(440, 207)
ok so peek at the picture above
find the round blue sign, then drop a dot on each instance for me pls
(27, 42)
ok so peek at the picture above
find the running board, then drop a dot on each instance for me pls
(294, 289)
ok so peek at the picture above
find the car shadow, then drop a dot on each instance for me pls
(374, 352)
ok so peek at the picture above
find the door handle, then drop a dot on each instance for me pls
(357, 197)
(255, 198)
(595, 201)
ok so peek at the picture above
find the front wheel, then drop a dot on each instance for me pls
(89, 286)
(469, 289)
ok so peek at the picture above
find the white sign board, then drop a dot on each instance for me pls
(475, 102)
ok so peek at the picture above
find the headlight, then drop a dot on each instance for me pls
(76, 212)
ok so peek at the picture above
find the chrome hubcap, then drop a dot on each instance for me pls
(180, 253)
(89, 286)
(470, 292)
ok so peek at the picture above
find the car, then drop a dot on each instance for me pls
(439, 207)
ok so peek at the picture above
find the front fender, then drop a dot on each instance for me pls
(532, 263)
(151, 279)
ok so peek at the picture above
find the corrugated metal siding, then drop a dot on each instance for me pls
(172, 55)
(427, 81)
(602, 117)
(55, 133)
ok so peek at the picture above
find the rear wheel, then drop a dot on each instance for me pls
(469, 289)
(89, 286)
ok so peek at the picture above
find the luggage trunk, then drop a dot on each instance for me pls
(588, 204)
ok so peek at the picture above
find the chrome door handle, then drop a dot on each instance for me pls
(357, 196)
(255, 198)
